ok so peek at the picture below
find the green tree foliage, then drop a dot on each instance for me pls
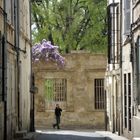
(72, 24)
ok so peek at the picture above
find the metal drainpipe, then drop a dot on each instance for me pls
(32, 109)
(18, 65)
(16, 26)
(133, 58)
(4, 71)
(121, 72)
(113, 99)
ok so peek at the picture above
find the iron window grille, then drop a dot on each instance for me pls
(100, 95)
(127, 101)
(55, 89)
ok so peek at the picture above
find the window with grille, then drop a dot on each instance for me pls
(127, 101)
(55, 89)
(100, 95)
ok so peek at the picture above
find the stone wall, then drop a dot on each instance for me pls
(79, 111)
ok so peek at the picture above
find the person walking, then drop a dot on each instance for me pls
(58, 111)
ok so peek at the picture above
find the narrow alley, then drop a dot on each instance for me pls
(73, 65)
(68, 135)
(75, 135)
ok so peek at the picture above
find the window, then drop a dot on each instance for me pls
(100, 95)
(127, 16)
(55, 91)
(113, 33)
(127, 101)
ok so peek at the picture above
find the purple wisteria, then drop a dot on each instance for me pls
(46, 51)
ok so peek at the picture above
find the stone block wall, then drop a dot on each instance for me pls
(78, 111)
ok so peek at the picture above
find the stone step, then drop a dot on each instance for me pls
(20, 134)
(30, 136)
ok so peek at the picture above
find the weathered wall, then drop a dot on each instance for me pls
(17, 67)
(136, 34)
(80, 71)
(25, 64)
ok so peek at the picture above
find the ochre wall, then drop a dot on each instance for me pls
(80, 71)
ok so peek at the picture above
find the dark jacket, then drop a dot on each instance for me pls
(58, 111)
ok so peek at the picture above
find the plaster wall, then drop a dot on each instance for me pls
(79, 111)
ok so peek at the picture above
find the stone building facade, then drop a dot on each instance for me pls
(78, 88)
(135, 44)
(122, 75)
(15, 67)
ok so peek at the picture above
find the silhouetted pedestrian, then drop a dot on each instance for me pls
(58, 111)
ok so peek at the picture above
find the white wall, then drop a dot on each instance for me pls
(25, 64)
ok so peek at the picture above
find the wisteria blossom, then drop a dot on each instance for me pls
(46, 51)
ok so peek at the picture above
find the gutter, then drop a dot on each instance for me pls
(32, 84)
(4, 70)
(16, 34)
(18, 66)
(121, 72)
